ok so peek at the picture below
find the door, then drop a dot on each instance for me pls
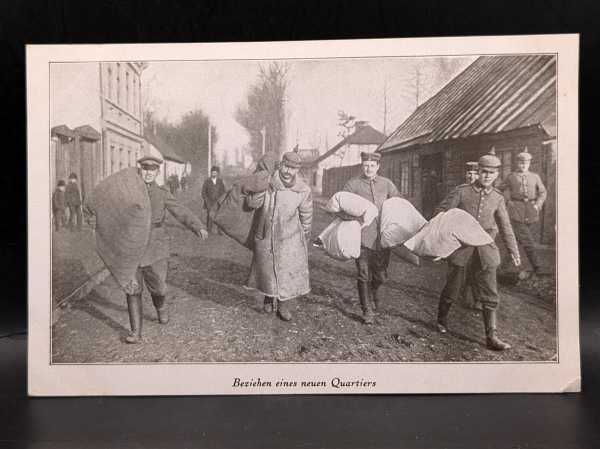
(431, 182)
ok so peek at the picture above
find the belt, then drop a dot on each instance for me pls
(157, 225)
(524, 200)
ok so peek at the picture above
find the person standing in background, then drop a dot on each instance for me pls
(59, 206)
(525, 194)
(73, 200)
(212, 189)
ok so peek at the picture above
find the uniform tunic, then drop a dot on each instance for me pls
(373, 261)
(523, 191)
(479, 264)
(280, 254)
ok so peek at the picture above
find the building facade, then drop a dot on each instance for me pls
(96, 119)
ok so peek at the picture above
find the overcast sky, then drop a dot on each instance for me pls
(317, 90)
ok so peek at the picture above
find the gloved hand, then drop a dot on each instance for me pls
(203, 234)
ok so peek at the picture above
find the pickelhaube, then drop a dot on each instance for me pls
(489, 160)
(524, 156)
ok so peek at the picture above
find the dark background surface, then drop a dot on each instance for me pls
(485, 421)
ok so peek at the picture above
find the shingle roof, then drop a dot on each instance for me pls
(88, 132)
(493, 94)
(364, 135)
(167, 151)
(62, 130)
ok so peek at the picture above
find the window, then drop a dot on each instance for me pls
(118, 83)
(110, 82)
(404, 178)
(113, 159)
(127, 92)
(506, 159)
(121, 162)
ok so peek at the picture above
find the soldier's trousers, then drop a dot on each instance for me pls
(155, 278)
(60, 219)
(372, 265)
(483, 282)
(524, 235)
(75, 216)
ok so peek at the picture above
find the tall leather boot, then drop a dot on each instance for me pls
(283, 310)
(365, 302)
(134, 306)
(374, 288)
(492, 341)
(161, 308)
(442, 318)
(269, 304)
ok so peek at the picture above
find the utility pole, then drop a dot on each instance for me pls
(209, 147)
(263, 133)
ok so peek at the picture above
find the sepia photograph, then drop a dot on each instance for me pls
(353, 209)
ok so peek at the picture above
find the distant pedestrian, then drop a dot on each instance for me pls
(282, 225)
(212, 189)
(59, 206)
(173, 182)
(184, 182)
(128, 210)
(73, 200)
(373, 261)
(525, 194)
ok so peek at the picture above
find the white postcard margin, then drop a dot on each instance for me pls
(45, 379)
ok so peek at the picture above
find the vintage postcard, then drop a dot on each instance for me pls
(361, 216)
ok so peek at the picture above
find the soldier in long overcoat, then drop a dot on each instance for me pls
(525, 194)
(479, 264)
(131, 236)
(282, 225)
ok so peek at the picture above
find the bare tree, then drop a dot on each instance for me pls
(266, 109)
(347, 124)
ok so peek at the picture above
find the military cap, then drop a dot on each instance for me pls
(489, 160)
(215, 168)
(365, 156)
(72, 176)
(472, 166)
(524, 156)
(61, 183)
(150, 160)
(292, 159)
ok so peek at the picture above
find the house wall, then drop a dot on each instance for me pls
(456, 154)
(121, 119)
(405, 168)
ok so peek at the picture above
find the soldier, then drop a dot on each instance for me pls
(525, 194)
(59, 206)
(479, 264)
(73, 199)
(373, 261)
(212, 189)
(152, 268)
(282, 224)
(471, 173)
